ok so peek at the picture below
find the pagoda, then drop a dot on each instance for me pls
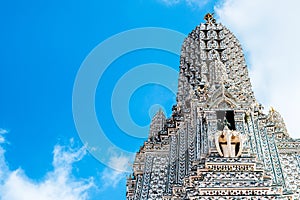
(218, 143)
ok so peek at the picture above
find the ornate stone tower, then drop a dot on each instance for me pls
(218, 144)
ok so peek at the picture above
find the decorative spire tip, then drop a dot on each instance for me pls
(209, 17)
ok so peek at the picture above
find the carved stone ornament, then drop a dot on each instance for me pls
(229, 143)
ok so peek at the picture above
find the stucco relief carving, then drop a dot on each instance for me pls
(229, 143)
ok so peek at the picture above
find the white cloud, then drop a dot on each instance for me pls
(170, 2)
(112, 177)
(198, 3)
(2, 132)
(57, 184)
(192, 3)
(268, 31)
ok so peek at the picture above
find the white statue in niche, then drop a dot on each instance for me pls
(229, 143)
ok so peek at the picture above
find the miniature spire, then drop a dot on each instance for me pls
(157, 123)
(276, 118)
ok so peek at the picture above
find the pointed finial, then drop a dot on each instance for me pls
(272, 110)
(160, 110)
(209, 17)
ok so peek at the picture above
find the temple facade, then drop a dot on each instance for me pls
(218, 143)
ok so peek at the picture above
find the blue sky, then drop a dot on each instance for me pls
(43, 46)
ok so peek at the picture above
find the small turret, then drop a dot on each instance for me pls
(157, 123)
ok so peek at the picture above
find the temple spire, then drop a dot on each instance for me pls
(157, 123)
(193, 154)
